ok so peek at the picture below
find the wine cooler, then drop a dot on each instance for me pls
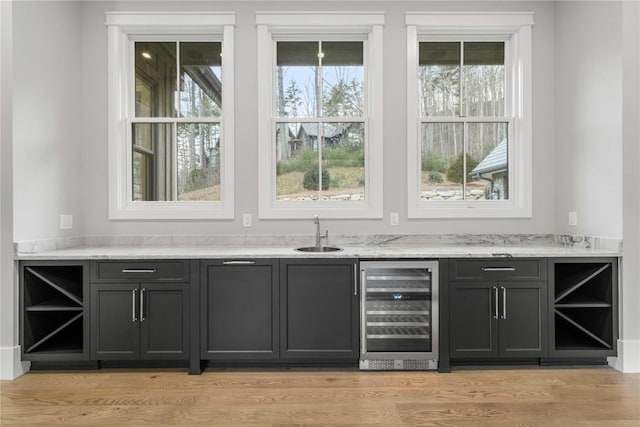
(399, 309)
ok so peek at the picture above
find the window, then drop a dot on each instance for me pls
(469, 115)
(170, 116)
(320, 115)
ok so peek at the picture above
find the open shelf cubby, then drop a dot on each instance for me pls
(584, 328)
(54, 310)
(53, 331)
(584, 302)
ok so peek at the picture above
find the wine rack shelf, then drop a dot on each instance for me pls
(583, 300)
(54, 302)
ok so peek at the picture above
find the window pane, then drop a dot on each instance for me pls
(143, 136)
(198, 152)
(442, 151)
(439, 78)
(297, 162)
(141, 178)
(484, 79)
(155, 64)
(343, 161)
(152, 165)
(297, 79)
(144, 98)
(200, 79)
(342, 79)
(488, 167)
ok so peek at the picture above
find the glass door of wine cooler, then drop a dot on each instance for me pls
(399, 310)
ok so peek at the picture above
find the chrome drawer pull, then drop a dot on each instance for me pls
(498, 269)
(247, 262)
(139, 270)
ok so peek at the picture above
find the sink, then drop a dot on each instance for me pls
(318, 249)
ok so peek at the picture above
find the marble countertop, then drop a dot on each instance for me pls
(348, 251)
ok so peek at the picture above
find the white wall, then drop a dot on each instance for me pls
(588, 117)
(10, 365)
(48, 115)
(7, 291)
(94, 129)
(629, 346)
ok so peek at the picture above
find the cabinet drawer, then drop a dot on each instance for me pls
(139, 271)
(497, 269)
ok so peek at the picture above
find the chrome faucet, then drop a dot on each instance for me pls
(319, 237)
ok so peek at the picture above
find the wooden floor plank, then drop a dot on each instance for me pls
(487, 397)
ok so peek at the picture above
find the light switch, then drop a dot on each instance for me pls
(573, 218)
(66, 222)
(394, 219)
(246, 220)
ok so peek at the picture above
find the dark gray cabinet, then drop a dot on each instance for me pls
(319, 309)
(240, 310)
(279, 310)
(497, 308)
(138, 313)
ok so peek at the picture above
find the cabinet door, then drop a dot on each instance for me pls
(115, 327)
(240, 310)
(164, 321)
(473, 320)
(523, 319)
(319, 310)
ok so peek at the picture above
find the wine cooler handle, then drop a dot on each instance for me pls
(504, 302)
(133, 306)
(495, 294)
(362, 276)
(142, 304)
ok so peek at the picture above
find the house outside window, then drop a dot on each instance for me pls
(320, 109)
(170, 115)
(469, 115)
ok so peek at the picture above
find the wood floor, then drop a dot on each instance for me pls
(488, 397)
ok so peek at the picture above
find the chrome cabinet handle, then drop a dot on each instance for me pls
(133, 306)
(142, 304)
(355, 279)
(139, 270)
(498, 269)
(495, 311)
(244, 262)
(504, 302)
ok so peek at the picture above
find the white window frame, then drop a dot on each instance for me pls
(366, 26)
(123, 29)
(516, 29)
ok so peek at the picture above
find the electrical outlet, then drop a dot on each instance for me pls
(573, 218)
(66, 222)
(394, 219)
(246, 220)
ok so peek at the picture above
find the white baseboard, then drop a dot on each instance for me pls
(11, 367)
(628, 356)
